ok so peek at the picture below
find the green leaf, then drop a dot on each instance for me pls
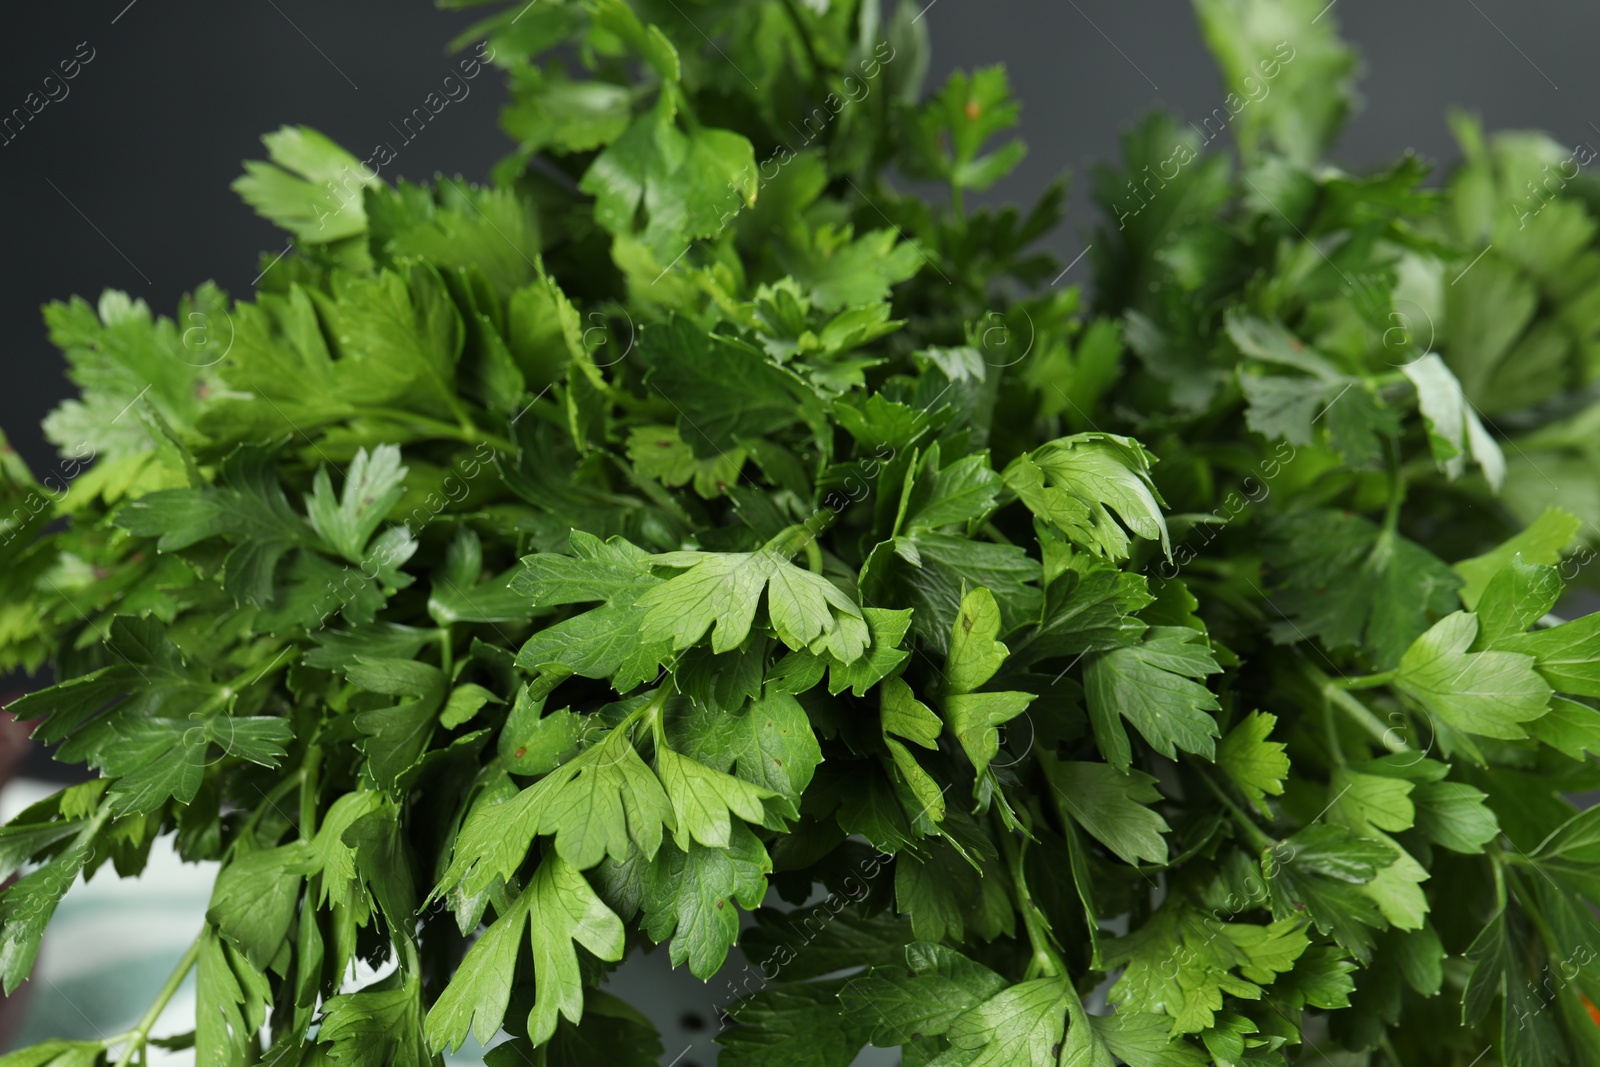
(375, 1027)
(1114, 807)
(1485, 693)
(249, 509)
(27, 905)
(690, 896)
(930, 573)
(1542, 542)
(720, 390)
(531, 743)
(1517, 597)
(1454, 430)
(767, 742)
(1256, 766)
(974, 654)
(254, 900)
(1075, 483)
(658, 452)
(372, 487)
(1152, 685)
(935, 985)
(1290, 95)
(1570, 728)
(882, 658)
(1368, 803)
(594, 804)
(1318, 872)
(610, 1032)
(1454, 815)
(1399, 587)
(1566, 656)
(231, 1004)
(793, 1025)
(1023, 1024)
(655, 166)
(312, 188)
(904, 715)
(559, 908)
(704, 801)
(722, 590)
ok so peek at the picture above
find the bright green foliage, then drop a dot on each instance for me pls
(615, 553)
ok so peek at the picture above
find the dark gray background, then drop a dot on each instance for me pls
(125, 182)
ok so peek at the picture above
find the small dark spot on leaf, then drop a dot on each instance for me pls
(973, 111)
(721, 904)
(521, 751)
(1055, 1051)
(916, 1035)
(966, 623)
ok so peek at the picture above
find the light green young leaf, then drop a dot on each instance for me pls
(1486, 693)
(722, 589)
(704, 800)
(1542, 542)
(557, 908)
(1566, 656)
(1256, 765)
(1454, 431)
(373, 485)
(975, 653)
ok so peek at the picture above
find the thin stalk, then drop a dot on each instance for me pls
(1259, 837)
(1397, 490)
(467, 431)
(1046, 962)
(139, 1036)
(1335, 749)
(308, 790)
(1365, 681)
(1356, 711)
(447, 652)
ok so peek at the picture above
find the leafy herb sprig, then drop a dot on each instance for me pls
(537, 572)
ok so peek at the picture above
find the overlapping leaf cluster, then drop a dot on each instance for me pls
(693, 522)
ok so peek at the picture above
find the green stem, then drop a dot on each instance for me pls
(308, 791)
(1365, 681)
(1497, 861)
(467, 431)
(1046, 961)
(139, 1036)
(1259, 837)
(447, 652)
(805, 38)
(1397, 490)
(1363, 717)
(269, 801)
(802, 536)
(1335, 749)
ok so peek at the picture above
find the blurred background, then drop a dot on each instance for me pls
(122, 180)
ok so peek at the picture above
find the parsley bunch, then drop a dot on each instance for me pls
(692, 523)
